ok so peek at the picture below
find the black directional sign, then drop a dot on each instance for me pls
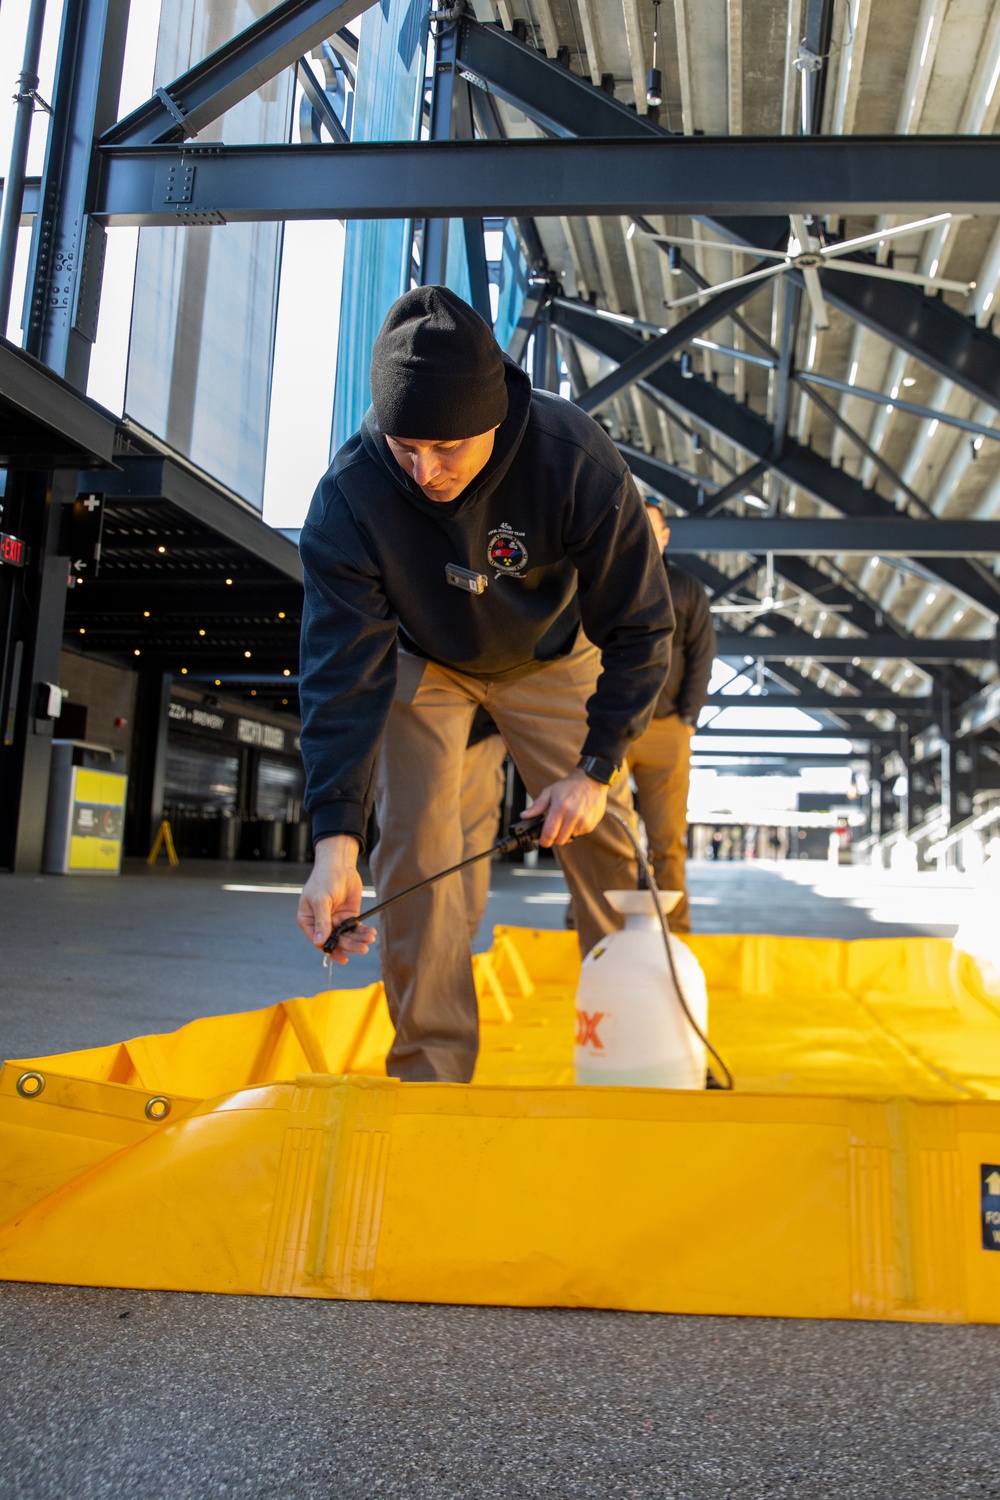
(80, 534)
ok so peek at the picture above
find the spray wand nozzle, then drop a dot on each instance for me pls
(523, 834)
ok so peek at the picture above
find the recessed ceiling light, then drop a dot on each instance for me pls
(201, 632)
(82, 630)
(284, 700)
(246, 653)
(286, 673)
(136, 652)
(218, 683)
(161, 549)
(281, 614)
(253, 692)
(145, 614)
(184, 671)
(229, 580)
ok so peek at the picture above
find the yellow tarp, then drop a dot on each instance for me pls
(842, 1179)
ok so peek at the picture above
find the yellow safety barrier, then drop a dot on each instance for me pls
(852, 1174)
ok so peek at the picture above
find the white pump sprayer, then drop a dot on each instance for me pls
(630, 1025)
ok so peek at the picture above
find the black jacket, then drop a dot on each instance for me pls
(556, 524)
(693, 648)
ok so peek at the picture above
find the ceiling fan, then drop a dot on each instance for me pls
(768, 604)
(807, 253)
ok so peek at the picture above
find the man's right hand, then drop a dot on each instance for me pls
(331, 895)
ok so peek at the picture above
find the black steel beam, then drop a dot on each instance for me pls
(747, 430)
(657, 351)
(39, 408)
(162, 479)
(926, 327)
(700, 175)
(233, 71)
(846, 648)
(865, 732)
(543, 88)
(868, 537)
(814, 702)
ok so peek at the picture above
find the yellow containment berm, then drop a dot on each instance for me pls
(853, 1173)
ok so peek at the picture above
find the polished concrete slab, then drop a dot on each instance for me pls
(117, 1394)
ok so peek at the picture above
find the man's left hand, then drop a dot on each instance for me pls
(572, 807)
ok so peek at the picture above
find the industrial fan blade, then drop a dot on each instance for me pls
(723, 286)
(913, 278)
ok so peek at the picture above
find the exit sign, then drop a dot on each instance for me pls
(13, 551)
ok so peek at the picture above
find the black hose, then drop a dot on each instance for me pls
(523, 834)
(644, 865)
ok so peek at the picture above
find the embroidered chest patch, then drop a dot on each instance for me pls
(506, 552)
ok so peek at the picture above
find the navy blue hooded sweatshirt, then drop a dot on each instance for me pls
(554, 521)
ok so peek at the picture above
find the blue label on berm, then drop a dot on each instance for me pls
(989, 1181)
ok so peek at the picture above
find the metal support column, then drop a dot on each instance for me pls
(63, 301)
(10, 219)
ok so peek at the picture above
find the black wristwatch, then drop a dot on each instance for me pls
(599, 769)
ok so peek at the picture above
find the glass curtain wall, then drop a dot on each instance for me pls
(513, 284)
(202, 341)
(388, 102)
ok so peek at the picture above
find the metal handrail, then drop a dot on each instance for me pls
(975, 824)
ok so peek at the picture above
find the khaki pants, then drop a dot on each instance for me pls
(660, 761)
(424, 941)
(483, 786)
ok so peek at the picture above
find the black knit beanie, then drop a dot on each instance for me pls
(437, 372)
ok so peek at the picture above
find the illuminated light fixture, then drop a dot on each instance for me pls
(201, 632)
(630, 231)
(285, 702)
(253, 692)
(286, 672)
(875, 562)
(184, 671)
(145, 614)
(161, 549)
(136, 652)
(674, 260)
(854, 373)
(281, 614)
(218, 683)
(82, 630)
(755, 501)
(654, 78)
(246, 653)
(977, 443)
(934, 267)
(932, 429)
(687, 365)
(987, 302)
(229, 580)
(909, 380)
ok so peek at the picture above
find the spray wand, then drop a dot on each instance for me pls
(521, 835)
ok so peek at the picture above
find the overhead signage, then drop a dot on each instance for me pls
(229, 726)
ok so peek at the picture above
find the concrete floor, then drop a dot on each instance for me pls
(108, 1394)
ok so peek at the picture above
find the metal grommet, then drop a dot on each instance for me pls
(157, 1108)
(30, 1085)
